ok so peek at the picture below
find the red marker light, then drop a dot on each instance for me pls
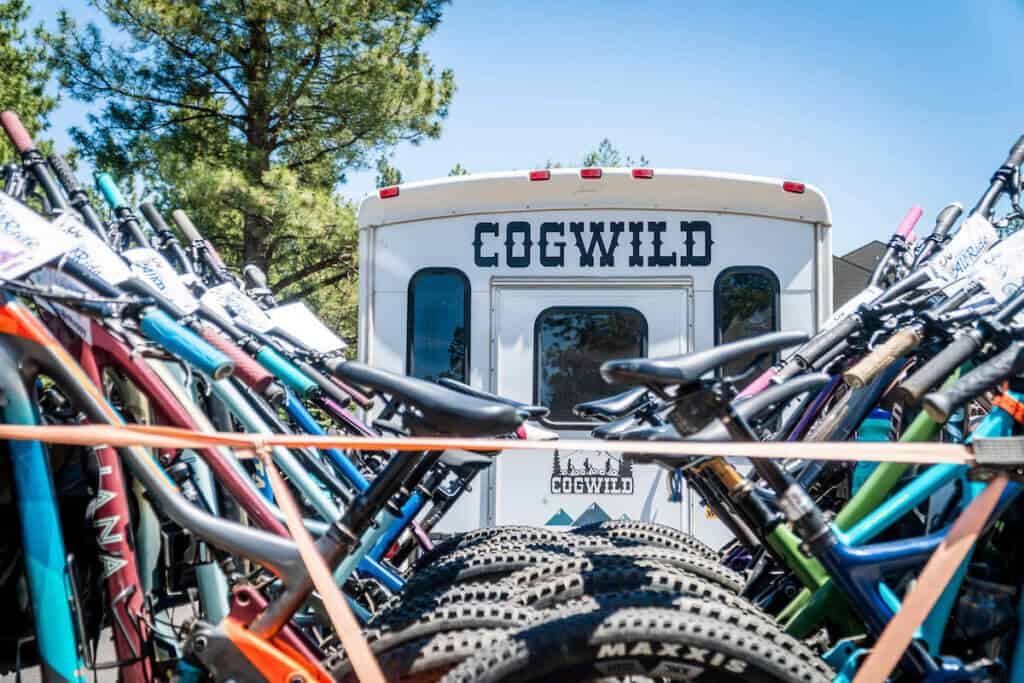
(540, 175)
(389, 192)
(643, 172)
(590, 173)
(793, 186)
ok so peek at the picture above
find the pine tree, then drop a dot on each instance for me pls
(24, 73)
(248, 115)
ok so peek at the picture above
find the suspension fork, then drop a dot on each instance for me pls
(111, 519)
(41, 536)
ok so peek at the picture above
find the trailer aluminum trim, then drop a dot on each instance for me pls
(669, 189)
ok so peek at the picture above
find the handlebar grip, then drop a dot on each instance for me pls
(154, 218)
(823, 342)
(946, 219)
(284, 370)
(883, 356)
(108, 188)
(763, 381)
(941, 404)
(1016, 155)
(938, 368)
(181, 342)
(17, 133)
(64, 174)
(186, 226)
(246, 368)
(909, 221)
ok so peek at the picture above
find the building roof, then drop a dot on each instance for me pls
(616, 188)
(866, 256)
(851, 272)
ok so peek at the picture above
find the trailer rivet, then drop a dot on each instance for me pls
(296, 678)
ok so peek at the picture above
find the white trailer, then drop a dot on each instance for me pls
(522, 283)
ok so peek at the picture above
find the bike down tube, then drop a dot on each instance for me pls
(112, 519)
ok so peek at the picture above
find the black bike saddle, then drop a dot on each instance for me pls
(687, 369)
(612, 407)
(535, 412)
(444, 412)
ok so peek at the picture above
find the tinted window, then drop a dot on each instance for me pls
(570, 343)
(438, 343)
(746, 305)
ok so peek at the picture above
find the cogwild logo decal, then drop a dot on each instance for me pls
(579, 473)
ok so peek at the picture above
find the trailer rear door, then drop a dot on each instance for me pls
(549, 337)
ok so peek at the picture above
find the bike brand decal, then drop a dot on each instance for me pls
(154, 269)
(569, 477)
(688, 653)
(105, 527)
(651, 244)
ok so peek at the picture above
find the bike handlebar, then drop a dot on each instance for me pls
(246, 369)
(938, 368)
(285, 371)
(896, 346)
(17, 133)
(111, 193)
(161, 328)
(940, 405)
(909, 221)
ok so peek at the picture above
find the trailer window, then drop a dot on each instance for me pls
(746, 305)
(570, 343)
(438, 331)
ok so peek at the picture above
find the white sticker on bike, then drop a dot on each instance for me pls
(27, 240)
(228, 299)
(851, 306)
(152, 267)
(92, 253)
(1000, 270)
(302, 323)
(973, 238)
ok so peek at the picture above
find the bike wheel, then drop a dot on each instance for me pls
(696, 641)
(624, 527)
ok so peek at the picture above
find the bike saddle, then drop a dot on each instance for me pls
(612, 407)
(646, 433)
(760, 404)
(465, 460)
(607, 430)
(687, 369)
(442, 411)
(535, 412)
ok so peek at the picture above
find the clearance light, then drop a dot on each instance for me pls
(590, 173)
(540, 175)
(793, 186)
(643, 173)
(389, 192)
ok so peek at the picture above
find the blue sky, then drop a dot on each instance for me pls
(880, 104)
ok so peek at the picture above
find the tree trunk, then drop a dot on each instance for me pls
(256, 231)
